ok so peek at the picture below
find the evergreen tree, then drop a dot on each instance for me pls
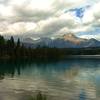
(2, 40)
(2, 45)
(18, 43)
(12, 44)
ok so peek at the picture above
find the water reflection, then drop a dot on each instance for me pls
(71, 79)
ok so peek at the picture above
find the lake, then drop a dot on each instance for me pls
(69, 79)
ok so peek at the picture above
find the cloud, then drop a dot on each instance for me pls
(66, 4)
(19, 28)
(40, 18)
(24, 13)
(90, 36)
(92, 14)
(4, 2)
(53, 25)
(45, 24)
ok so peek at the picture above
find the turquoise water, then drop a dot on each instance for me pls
(70, 79)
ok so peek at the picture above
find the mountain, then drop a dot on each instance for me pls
(28, 40)
(65, 41)
(72, 38)
(90, 43)
(42, 42)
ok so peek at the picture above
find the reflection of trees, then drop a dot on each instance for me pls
(66, 77)
(10, 68)
(39, 96)
(1, 77)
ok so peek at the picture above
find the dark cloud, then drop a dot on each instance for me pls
(23, 13)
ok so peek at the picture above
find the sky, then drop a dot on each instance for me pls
(50, 18)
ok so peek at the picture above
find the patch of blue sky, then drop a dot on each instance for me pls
(78, 12)
(96, 31)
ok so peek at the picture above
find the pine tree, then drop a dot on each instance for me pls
(18, 43)
(12, 44)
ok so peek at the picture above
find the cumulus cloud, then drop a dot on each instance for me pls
(63, 4)
(92, 14)
(54, 24)
(23, 13)
(41, 18)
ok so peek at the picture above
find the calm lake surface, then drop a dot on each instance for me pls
(70, 79)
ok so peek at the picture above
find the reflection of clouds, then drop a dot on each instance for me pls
(86, 80)
(60, 83)
(83, 79)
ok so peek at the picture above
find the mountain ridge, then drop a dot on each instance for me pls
(65, 41)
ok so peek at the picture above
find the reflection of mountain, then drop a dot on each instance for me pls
(60, 80)
(66, 41)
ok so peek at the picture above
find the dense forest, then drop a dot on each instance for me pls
(11, 49)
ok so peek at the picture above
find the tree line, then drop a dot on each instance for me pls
(11, 49)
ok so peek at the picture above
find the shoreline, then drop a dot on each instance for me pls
(84, 56)
(43, 58)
